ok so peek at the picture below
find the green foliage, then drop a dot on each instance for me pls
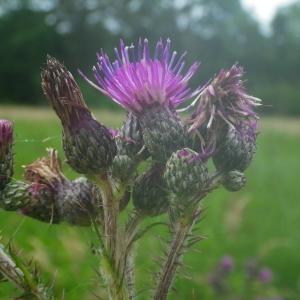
(215, 32)
(260, 221)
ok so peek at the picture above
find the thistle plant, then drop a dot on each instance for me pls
(222, 128)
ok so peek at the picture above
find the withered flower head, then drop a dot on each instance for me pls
(223, 104)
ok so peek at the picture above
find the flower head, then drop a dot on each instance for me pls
(225, 98)
(137, 82)
(88, 145)
(223, 104)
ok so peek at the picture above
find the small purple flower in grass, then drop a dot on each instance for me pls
(223, 104)
(227, 263)
(151, 89)
(265, 275)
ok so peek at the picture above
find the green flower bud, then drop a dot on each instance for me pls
(162, 131)
(122, 167)
(130, 139)
(16, 195)
(236, 151)
(6, 153)
(149, 193)
(234, 181)
(185, 178)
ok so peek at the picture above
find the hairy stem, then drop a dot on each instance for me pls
(113, 259)
(182, 230)
(130, 237)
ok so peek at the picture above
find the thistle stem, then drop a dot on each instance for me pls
(113, 267)
(182, 230)
(130, 237)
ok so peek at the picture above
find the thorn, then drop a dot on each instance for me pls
(158, 257)
(175, 291)
(184, 276)
(158, 264)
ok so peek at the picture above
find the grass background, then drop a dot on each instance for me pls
(262, 221)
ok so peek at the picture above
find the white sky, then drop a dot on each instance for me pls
(264, 10)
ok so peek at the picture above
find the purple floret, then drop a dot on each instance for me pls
(137, 82)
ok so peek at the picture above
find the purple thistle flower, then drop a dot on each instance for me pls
(150, 89)
(137, 82)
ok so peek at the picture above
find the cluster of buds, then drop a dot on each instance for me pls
(176, 152)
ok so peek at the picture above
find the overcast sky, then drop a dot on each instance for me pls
(264, 10)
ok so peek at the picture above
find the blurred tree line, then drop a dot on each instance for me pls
(216, 32)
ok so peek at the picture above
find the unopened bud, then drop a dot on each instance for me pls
(88, 145)
(162, 131)
(234, 181)
(236, 151)
(184, 177)
(16, 195)
(149, 192)
(6, 153)
(130, 139)
(122, 167)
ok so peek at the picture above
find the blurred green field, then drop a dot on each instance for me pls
(262, 221)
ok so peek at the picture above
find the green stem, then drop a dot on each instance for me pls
(182, 230)
(15, 271)
(130, 237)
(113, 261)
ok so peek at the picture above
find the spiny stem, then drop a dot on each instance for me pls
(113, 267)
(16, 272)
(182, 230)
